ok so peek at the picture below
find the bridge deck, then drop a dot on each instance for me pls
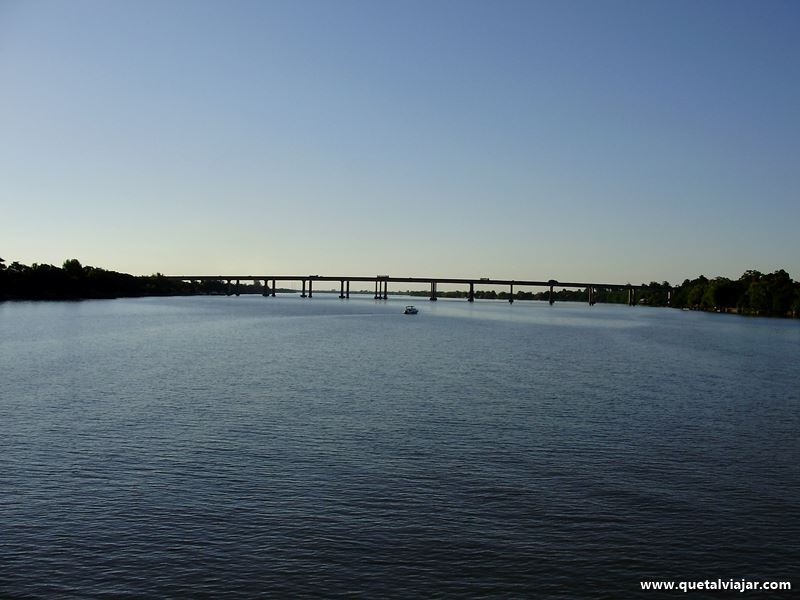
(390, 279)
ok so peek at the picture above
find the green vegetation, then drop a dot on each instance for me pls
(75, 281)
(754, 293)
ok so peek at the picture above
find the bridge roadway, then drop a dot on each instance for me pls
(382, 281)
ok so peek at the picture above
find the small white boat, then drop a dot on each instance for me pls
(410, 310)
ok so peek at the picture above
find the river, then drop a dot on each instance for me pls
(240, 447)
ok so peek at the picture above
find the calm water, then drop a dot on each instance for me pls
(278, 447)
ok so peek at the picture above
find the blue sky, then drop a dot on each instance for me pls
(608, 141)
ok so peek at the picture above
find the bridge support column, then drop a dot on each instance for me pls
(471, 297)
(309, 288)
(341, 289)
(377, 283)
(303, 293)
(273, 288)
(347, 292)
(511, 295)
(591, 296)
(630, 296)
(228, 290)
(385, 290)
(433, 291)
(265, 293)
(552, 300)
(237, 287)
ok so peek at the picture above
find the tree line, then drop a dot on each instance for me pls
(74, 281)
(754, 293)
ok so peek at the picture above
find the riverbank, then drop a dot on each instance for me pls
(753, 294)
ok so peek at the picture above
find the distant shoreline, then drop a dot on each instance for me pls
(753, 294)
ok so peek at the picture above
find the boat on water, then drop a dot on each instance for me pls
(410, 310)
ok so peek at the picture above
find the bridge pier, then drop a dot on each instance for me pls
(381, 289)
(230, 285)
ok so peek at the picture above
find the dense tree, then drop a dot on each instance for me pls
(73, 267)
(73, 281)
(753, 293)
(719, 293)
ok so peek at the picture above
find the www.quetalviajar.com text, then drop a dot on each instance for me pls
(738, 585)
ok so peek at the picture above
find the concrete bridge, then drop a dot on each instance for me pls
(382, 282)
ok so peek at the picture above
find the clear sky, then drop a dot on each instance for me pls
(599, 140)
